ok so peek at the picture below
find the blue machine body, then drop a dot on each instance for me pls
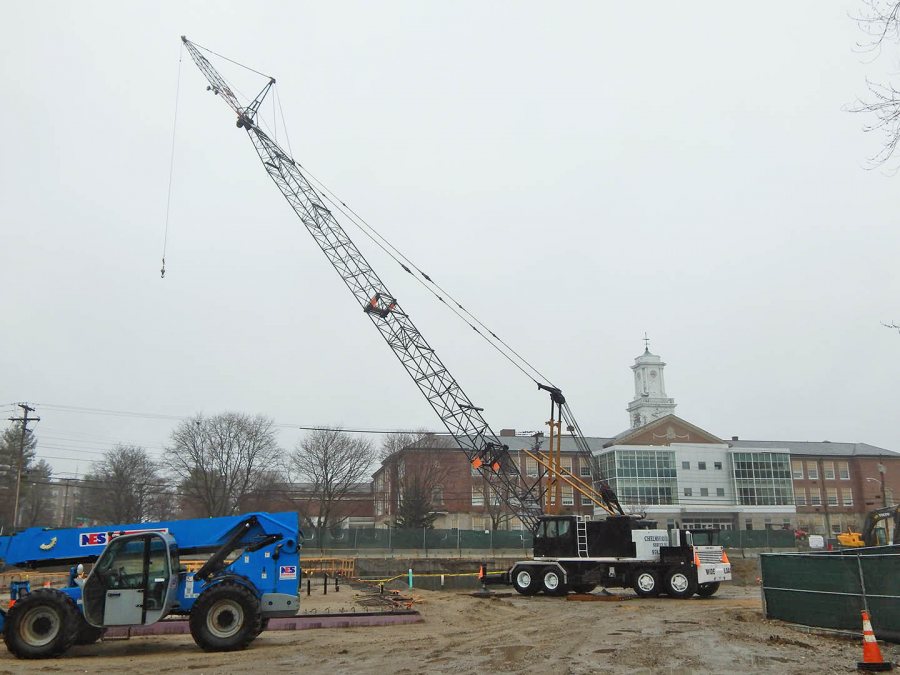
(258, 550)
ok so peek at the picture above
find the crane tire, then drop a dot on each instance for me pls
(552, 581)
(225, 618)
(583, 588)
(526, 580)
(680, 583)
(645, 582)
(42, 625)
(708, 589)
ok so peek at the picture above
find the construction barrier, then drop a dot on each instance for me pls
(830, 589)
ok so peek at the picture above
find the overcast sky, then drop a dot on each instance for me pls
(576, 176)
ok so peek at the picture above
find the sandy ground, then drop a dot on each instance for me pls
(462, 634)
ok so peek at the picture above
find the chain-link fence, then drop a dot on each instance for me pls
(392, 539)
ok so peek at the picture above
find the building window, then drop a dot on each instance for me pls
(685, 465)
(566, 465)
(797, 470)
(815, 498)
(763, 478)
(568, 497)
(844, 470)
(495, 498)
(847, 494)
(701, 466)
(812, 471)
(688, 492)
(641, 477)
(531, 468)
(832, 496)
(720, 492)
(586, 501)
(704, 492)
(800, 496)
(437, 496)
(584, 470)
(477, 496)
(748, 523)
(828, 470)
(717, 466)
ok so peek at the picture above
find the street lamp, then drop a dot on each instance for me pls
(880, 485)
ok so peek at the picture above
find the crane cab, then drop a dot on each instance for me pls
(134, 581)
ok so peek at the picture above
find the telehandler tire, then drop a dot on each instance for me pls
(225, 618)
(41, 625)
(86, 634)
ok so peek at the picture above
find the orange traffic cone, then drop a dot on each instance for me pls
(872, 659)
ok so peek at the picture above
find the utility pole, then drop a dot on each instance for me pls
(24, 419)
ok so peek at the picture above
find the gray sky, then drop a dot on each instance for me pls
(576, 177)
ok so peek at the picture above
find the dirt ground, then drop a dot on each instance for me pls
(515, 634)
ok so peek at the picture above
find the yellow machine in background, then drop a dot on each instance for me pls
(871, 534)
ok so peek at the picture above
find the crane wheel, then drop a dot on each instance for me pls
(225, 618)
(42, 625)
(583, 588)
(552, 581)
(708, 590)
(645, 583)
(526, 580)
(680, 583)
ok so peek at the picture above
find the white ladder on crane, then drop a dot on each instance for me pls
(581, 537)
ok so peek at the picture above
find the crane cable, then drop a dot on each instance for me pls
(393, 252)
(426, 281)
(162, 271)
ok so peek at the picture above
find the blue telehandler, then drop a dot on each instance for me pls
(251, 574)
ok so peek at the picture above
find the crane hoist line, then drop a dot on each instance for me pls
(462, 418)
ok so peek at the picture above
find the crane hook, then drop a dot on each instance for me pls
(162, 272)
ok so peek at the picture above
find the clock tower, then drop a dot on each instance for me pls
(650, 400)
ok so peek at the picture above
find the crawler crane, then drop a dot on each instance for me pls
(571, 552)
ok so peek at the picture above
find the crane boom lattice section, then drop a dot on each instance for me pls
(460, 416)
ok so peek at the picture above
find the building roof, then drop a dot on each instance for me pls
(823, 448)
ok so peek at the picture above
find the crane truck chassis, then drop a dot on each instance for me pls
(252, 574)
(577, 554)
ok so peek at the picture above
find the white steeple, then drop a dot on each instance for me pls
(650, 401)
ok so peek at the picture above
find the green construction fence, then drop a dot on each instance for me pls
(829, 589)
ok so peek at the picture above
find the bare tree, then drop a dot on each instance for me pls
(880, 21)
(332, 462)
(219, 460)
(126, 486)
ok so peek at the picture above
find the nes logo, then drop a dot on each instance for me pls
(287, 572)
(103, 538)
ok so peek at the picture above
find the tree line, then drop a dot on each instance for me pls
(217, 466)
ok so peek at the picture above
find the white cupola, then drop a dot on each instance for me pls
(650, 400)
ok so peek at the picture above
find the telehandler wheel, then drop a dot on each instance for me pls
(708, 590)
(86, 633)
(680, 583)
(645, 583)
(42, 625)
(225, 618)
(552, 581)
(526, 580)
(263, 625)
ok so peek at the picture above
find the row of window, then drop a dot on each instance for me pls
(532, 470)
(701, 466)
(704, 492)
(829, 472)
(833, 497)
